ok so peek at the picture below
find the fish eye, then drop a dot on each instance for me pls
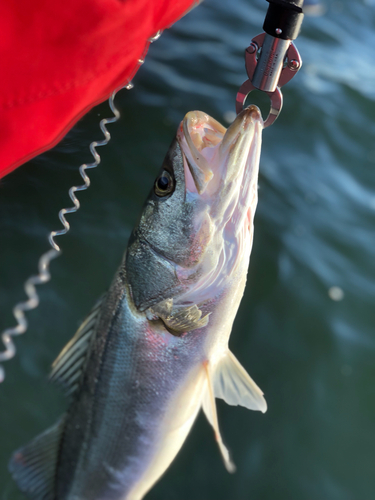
(164, 184)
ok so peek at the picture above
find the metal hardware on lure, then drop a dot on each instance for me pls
(270, 63)
(154, 350)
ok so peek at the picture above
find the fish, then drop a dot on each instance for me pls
(154, 349)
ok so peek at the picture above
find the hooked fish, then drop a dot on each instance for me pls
(154, 350)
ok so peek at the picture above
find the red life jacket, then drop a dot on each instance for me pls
(59, 59)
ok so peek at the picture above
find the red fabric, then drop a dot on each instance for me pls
(59, 59)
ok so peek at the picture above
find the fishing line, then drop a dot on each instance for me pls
(44, 275)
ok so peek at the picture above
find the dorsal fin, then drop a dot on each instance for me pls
(67, 367)
(33, 466)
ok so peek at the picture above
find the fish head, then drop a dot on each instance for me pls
(195, 231)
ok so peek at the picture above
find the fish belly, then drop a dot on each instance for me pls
(134, 413)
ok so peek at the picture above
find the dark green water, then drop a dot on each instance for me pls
(314, 357)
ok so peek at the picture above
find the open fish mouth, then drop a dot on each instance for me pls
(215, 155)
(221, 177)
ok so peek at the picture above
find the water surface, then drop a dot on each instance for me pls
(313, 356)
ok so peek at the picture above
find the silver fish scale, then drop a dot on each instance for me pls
(113, 425)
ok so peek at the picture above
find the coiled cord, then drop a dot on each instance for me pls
(44, 275)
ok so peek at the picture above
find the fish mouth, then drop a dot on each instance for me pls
(214, 154)
(221, 180)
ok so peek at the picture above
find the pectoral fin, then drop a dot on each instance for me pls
(178, 319)
(186, 319)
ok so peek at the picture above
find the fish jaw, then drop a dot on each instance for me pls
(199, 131)
(215, 156)
(221, 172)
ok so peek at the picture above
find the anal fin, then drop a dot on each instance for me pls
(33, 466)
